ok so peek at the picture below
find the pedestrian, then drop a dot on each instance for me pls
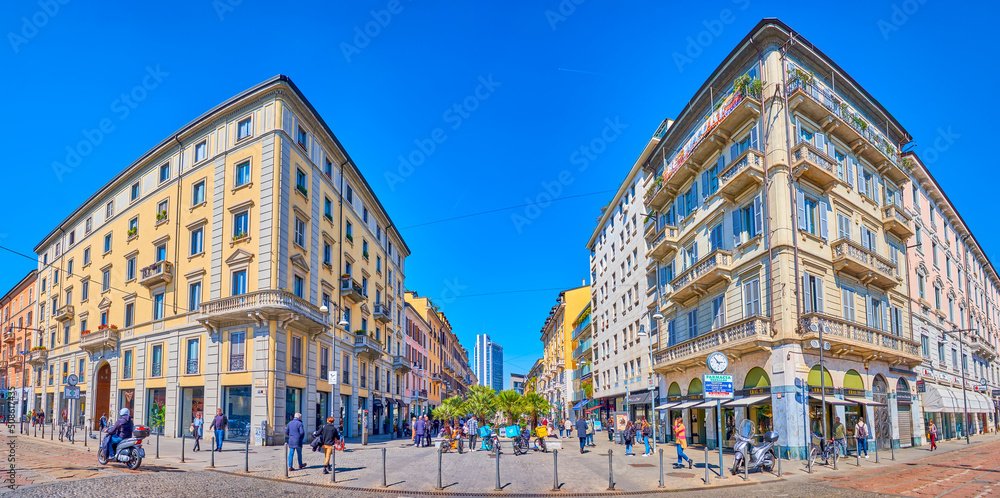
(413, 430)
(427, 433)
(569, 428)
(629, 437)
(611, 428)
(681, 435)
(933, 433)
(840, 436)
(295, 432)
(647, 432)
(418, 431)
(590, 432)
(220, 424)
(861, 435)
(197, 429)
(364, 428)
(472, 426)
(104, 422)
(581, 432)
(328, 438)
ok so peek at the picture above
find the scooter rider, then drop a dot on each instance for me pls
(120, 430)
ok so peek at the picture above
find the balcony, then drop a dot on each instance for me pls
(855, 339)
(161, 272)
(747, 171)
(8, 337)
(448, 366)
(657, 195)
(383, 313)
(3, 364)
(665, 243)
(422, 394)
(156, 369)
(367, 347)
(260, 306)
(583, 348)
(582, 326)
(94, 342)
(401, 364)
(436, 377)
(236, 362)
(696, 281)
(751, 334)
(64, 313)
(811, 165)
(38, 357)
(192, 367)
(897, 222)
(350, 289)
(851, 258)
(981, 347)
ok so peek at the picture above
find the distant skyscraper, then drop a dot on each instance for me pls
(517, 382)
(487, 362)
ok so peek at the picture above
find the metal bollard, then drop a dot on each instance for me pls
(857, 457)
(498, 488)
(183, 440)
(836, 456)
(555, 470)
(611, 470)
(809, 462)
(706, 465)
(333, 463)
(157, 445)
(246, 459)
(876, 450)
(36, 430)
(661, 468)
(212, 464)
(746, 465)
(892, 451)
(383, 468)
(283, 464)
(779, 462)
(439, 486)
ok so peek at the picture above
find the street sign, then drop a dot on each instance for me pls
(332, 376)
(982, 381)
(72, 379)
(718, 386)
(815, 344)
(71, 392)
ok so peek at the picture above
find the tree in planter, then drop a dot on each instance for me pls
(510, 404)
(481, 402)
(534, 406)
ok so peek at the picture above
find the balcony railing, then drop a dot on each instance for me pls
(707, 272)
(982, 347)
(99, 340)
(156, 370)
(38, 357)
(581, 326)
(236, 362)
(665, 243)
(127, 372)
(383, 313)
(367, 347)
(352, 290)
(897, 222)
(8, 337)
(157, 273)
(810, 164)
(401, 364)
(192, 367)
(584, 347)
(448, 367)
(859, 339)
(745, 172)
(63, 313)
(295, 365)
(747, 335)
(865, 265)
(275, 301)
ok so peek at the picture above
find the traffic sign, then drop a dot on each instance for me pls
(332, 376)
(72, 379)
(718, 386)
(71, 392)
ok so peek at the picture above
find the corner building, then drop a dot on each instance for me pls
(776, 203)
(195, 278)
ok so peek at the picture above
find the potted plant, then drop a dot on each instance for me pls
(346, 275)
(84, 332)
(132, 231)
(365, 254)
(350, 238)
(162, 215)
(303, 189)
(239, 236)
(102, 327)
(361, 332)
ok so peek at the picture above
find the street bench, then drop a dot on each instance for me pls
(505, 443)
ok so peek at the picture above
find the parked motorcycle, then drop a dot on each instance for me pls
(760, 456)
(128, 451)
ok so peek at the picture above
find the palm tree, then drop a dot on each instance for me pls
(509, 403)
(481, 402)
(449, 410)
(534, 405)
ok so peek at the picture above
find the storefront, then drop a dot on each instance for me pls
(322, 408)
(378, 410)
(126, 399)
(345, 423)
(904, 403)
(156, 406)
(293, 402)
(192, 403)
(237, 409)
(640, 405)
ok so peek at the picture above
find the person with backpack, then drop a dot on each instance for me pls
(629, 437)
(861, 435)
(590, 432)
(647, 432)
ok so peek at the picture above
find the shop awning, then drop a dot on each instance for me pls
(685, 405)
(580, 404)
(640, 398)
(749, 401)
(592, 408)
(707, 404)
(861, 401)
(830, 400)
(940, 399)
(668, 405)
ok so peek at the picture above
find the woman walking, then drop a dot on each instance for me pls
(647, 432)
(680, 434)
(197, 426)
(629, 437)
(611, 428)
(933, 432)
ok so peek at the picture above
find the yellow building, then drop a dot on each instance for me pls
(557, 339)
(195, 279)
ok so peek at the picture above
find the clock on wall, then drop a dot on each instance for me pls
(718, 362)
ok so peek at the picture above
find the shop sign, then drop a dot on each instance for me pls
(996, 392)
(756, 391)
(718, 386)
(854, 392)
(816, 390)
(904, 397)
(921, 387)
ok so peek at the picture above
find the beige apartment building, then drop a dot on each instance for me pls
(17, 309)
(212, 271)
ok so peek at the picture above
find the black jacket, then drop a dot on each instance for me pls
(329, 435)
(122, 427)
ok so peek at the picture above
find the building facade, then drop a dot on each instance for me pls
(953, 302)
(211, 272)
(517, 382)
(17, 309)
(555, 376)
(618, 266)
(447, 371)
(582, 390)
(488, 362)
(771, 232)
(417, 342)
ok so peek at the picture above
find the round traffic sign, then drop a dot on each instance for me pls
(72, 379)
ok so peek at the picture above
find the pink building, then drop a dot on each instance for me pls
(417, 381)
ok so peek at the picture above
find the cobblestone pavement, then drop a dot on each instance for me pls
(55, 469)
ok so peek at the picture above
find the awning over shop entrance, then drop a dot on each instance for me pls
(830, 400)
(669, 405)
(704, 405)
(861, 401)
(640, 398)
(748, 401)
(941, 399)
(580, 404)
(685, 405)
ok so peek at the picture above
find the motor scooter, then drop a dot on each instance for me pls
(760, 456)
(128, 451)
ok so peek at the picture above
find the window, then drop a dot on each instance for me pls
(877, 316)
(69, 268)
(129, 314)
(299, 286)
(327, 254)
(198, 193)
(200, 151)
(296, 360)
(84, 291)
(127, 368)
(364, 249)
(133, 227)
(69, 296)
(194, 296)
(364, 215)
(244, 129)
(242, 174)
(134, 192)
(158, 306)
(748, 222)
(241, 225)
(378, 264)
(328, 208)
(718, 313)
(43, 285)
(88, 225)
(197, 241)
(161, 211)
(106, 281)
(55, 278)
(693, 323)
(921, 284)
(156, 366)
(239, 282)
(847, 298)
(130, 269)
(345, 365)
(164, 172)
(934, 253)
(751, 297)
(937, 297)
(715, 238)
(86, 256)
(350, 194)
(328, 168)
(868, 239)
(925, 346)
(300, 232)
(349, 230)
(237, 350)
(160, 252)
(109, 210)
(193, 351)
(107, 243)
(300, 181)
(303, 137)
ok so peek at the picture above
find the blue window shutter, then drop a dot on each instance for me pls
(806, 294)
(673, 213)
(885, 316)
(801, 202)
(823, 228)
(758, 216)
(850, 170)
(694, 197)
(734, 150)
(704, 182)
(819, 295)
(754, 137)
(720, 163)
(868, 306)
(820, 139)
(798, 131)
(737, 227)
(861, 180)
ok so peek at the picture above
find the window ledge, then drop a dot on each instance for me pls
(198, 255)
(85, 265)
(131, 238)
(297, 191)
(241, 187)
(129, 281)
(161, 221)
(752, 240)
(239, 241)
(196, 206)
(815, 238)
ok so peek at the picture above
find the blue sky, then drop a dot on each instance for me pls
(558, 74)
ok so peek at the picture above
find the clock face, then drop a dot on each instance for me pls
(718, 362)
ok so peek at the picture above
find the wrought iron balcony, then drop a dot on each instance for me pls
(192, 367)
(156, 370)
(744, 336)
(367, 347)
(436, 377)
(897, 222)
(236, 362)
(350, 289)
(161, 272)
(847, 337)
(696, 280)
(383, 313)
(127, 372)
(448, 367)
(104, 339)
(665, 243)
(851, 258)
(63, 313)
(746, 171)
(401, 364)
(808, 163)
(265, 304)
(295, 365)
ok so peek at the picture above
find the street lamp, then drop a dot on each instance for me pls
(654, 398)
(342, 323)
(961, 351)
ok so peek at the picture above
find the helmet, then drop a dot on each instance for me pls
(123, 412)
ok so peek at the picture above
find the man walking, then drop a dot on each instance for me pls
(418, 432)
(472, 426)
(569, 428)
(581, 432)
(328, 438)
(590, 432)
(220, 424)
(611, 428)
(840, 436)
(295, 433)
(427, 432)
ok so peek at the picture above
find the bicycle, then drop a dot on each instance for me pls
(522, 443)
(828, 452)
(492, 443)
(540, 443)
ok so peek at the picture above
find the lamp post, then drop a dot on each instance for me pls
(654, 398)
(342, 323)
(961, 351)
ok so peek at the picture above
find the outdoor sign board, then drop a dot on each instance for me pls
(718, 386)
